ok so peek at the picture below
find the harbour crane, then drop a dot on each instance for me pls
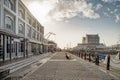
(47, 36)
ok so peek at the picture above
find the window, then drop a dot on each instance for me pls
(9, 23)
(8, 44)
(37, 36)
(21, 27)
(38, 27)
(28, 31)
(28, 19)
(42, 30)
(10, 4)
(22, 46)
(21, 12)
(33, 49)
(34, 34)
(41, 37)
(33, 22)
(1, 47)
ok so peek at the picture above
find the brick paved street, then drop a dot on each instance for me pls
(59, 68)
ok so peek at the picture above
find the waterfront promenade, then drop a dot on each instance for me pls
(60, 68)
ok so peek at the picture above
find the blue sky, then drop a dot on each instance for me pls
(70, 20)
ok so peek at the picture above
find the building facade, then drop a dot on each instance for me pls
(21, 34)
(52, 46)
(90, 42)
(91, 39)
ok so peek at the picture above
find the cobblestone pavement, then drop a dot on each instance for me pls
(59, 68)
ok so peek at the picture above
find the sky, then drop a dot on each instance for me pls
(71, 20)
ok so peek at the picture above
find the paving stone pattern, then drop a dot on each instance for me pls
(59, 68)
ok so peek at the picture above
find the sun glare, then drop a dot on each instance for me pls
(40, 11)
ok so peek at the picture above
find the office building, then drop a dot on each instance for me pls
(91, 39)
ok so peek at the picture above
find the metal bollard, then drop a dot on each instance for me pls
(108, 63)
(85, 56)
(89, 57)
(82, 55)
(119, 55)
(79, 54)
(97, 60)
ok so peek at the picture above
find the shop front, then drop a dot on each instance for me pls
(11, 47)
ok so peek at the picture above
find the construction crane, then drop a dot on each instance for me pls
(47, 36)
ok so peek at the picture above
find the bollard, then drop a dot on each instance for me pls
(119, 55)
(82, 55)
(89, 57)
(93, 58)
(79, 54)
(97, 60)
(85, 56)
(108, 62)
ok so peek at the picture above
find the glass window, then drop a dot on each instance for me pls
(8, 45)
(21, 27)
(37, 36)
(12, 46)
(22, 46)
(28, 19)
(33, 48)
(28, 31)
(10, 4)
(33, 23)
(34, 34)
(9, 23)
(21, 12)
(38, 27)
(1, 47)
(42, 30)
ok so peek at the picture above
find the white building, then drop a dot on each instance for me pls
(91, 39)
(90, 42)
(20, 33)
(90, 46)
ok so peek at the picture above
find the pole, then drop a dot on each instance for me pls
(108, 62)
(97, 60)
(89, 57)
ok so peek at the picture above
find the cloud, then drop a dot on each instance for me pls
(117, 18)
(98, 6)
(66, 9)
(109, 1)
(61, 10)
